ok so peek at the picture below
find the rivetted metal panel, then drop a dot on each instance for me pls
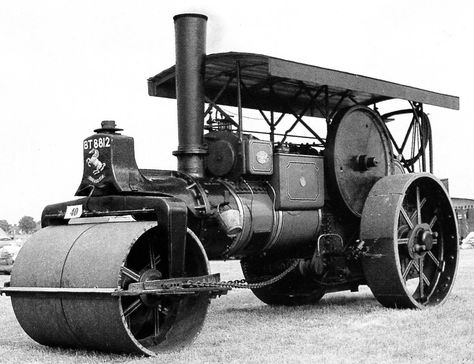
(298, 181)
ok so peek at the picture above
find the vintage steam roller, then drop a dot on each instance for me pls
(319, 192)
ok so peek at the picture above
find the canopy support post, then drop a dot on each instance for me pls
(239, 101)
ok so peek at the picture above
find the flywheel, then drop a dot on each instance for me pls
(358, 154)
(105, 256)
(409, 229)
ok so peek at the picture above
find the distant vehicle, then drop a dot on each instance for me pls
(468, 241)
(4, 236)
(464, 208)
(8, 254)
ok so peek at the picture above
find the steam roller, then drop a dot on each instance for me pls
(124, 267)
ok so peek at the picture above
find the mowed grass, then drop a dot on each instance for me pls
(342, 328)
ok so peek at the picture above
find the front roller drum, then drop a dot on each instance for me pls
(409, 229)
(97, 256)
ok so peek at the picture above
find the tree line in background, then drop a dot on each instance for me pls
(26, 225)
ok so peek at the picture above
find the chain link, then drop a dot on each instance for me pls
(239, 283)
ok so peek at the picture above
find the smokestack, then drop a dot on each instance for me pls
(190, 31)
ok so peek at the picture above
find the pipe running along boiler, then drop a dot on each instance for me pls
(125, 267)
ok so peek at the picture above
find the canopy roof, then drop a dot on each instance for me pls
(275, 84)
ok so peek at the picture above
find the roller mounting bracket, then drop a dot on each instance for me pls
(172, 217)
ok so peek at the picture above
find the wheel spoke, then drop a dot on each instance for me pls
(156, 261)
(407, 269)
(419, 268)
(434, 259)
(414, 214)
(130, 274)
(156, 321)
(418, 205)
(420, 282)
(433, 221)
(151, 253)
(135, 305)
(402, 241)
(406, 217)
(151, 339)
(422, 202)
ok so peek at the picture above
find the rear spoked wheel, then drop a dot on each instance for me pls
(409, 228)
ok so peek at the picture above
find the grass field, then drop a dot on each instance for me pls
(342, 328)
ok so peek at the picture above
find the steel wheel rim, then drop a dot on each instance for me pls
(420, 245)
(414, 267)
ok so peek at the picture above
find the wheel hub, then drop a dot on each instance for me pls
(420, 241)
(150, 275)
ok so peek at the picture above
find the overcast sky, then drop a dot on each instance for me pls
(67, 65)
